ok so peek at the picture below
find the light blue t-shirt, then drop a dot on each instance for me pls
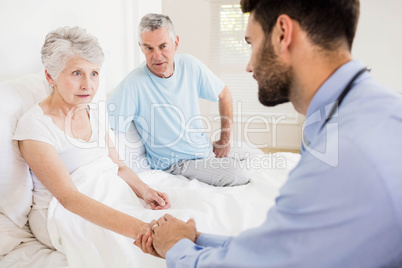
(166, 110)
(342, 204)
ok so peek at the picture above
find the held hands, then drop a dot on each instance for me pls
(222, 148)
(144, 242)
(155, 199)
(165, 233)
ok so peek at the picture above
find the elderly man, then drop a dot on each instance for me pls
(161, 97)
(342, 204)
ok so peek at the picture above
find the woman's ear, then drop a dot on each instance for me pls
(49, 79)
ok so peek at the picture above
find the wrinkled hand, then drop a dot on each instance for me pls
(155, 199)
(221, 148)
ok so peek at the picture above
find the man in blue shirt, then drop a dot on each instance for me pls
(342, 204)
(161, 97)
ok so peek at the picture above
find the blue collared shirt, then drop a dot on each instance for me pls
(342, 204)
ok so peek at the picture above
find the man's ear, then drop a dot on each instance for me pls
(282, 33)
(176, 42)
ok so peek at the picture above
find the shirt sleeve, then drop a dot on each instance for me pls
(122, 106)
(217, 251)
(210, 86)
(186, 254)
(203, 241)
(319, 220)
(30, 127)
(216, 241)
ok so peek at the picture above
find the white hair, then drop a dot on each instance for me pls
(152, 22)
(65, 43)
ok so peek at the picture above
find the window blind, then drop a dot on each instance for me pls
(229, 55)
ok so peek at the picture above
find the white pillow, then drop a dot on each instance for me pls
(17, 96)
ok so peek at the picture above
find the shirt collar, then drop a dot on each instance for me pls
(332, 88)
(325, 98)
(148, 71)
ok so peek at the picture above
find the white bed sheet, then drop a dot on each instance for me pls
(226, 211)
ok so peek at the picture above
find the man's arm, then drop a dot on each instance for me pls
(319, 220)
(222, 146)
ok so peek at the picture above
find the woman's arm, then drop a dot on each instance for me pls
(47, 166)
(155, 199)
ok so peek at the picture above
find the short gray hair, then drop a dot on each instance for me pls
(152, 22)
(65, 43)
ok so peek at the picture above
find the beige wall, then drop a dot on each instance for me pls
(190, 18)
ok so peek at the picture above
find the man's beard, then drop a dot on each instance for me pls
(274, 79)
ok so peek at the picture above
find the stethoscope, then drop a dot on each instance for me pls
(343, 95)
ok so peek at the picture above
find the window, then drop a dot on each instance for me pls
(229, 55)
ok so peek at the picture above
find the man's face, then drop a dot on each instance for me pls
(273, 77)
(159, 50)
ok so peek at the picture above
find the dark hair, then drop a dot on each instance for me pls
(327, 22)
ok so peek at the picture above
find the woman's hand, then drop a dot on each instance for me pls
(144, 242)
(155, 199)
(165, 233)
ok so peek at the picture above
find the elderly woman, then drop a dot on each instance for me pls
(48, 134)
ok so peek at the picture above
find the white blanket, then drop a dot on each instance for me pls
(226, 211)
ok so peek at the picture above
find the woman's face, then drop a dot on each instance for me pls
(78, 82)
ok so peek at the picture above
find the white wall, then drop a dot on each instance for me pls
(378, 41)
(25, 23)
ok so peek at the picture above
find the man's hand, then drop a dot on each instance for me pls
(156, 200)
(221, 148)
(145, 240)
(170, 230)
